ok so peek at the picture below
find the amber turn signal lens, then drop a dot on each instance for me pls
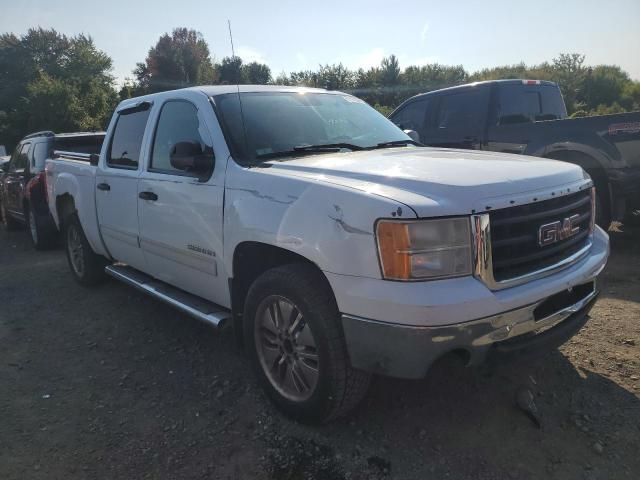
(393, 245)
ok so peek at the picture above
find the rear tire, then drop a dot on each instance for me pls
(86, 266)
(302, 364)
(42, 236)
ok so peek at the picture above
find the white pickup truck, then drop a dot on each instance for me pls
(335, 245)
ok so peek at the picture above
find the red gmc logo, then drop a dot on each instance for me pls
(554, 232)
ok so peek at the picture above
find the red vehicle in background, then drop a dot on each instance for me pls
(23, 188)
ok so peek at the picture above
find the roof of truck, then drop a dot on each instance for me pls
(212, 90)
(514, 81)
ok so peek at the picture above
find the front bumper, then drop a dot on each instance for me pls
(408, 351)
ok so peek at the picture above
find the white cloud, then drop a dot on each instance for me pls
(249, 54)
(423, 33)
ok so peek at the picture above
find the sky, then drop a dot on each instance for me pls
(298, 35)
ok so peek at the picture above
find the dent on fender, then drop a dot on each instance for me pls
(339, 220)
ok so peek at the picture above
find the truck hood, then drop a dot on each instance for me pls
(438, 182)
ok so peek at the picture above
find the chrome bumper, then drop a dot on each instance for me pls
(408, 352)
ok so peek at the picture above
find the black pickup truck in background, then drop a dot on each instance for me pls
(529, 117)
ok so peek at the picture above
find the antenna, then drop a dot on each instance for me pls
(244, 129)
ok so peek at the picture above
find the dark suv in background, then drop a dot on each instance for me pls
(529, 117)
(23, 188)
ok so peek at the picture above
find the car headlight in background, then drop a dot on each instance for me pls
(424, 249)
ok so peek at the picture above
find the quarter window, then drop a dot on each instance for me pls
(126, 142)
(179, 121)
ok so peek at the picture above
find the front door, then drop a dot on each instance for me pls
(117, 187)
(180, 206)
(15, 180)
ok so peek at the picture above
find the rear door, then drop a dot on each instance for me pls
(180, 210)
(117, 186)
(460, 119)
(517, 107)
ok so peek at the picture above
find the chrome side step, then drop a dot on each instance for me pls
(193, 306)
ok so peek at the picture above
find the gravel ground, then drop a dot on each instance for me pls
(106, 383)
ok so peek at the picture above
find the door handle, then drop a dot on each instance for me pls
(103, 186)
(148, 196)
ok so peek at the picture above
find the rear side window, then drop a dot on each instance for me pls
(179, 121)
(463, 111)
(126, 142)
(20, 160)
(40, 154)
(412, 117)
(529, 103)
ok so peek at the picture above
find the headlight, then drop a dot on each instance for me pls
(424, 249)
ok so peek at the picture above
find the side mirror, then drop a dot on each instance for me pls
(413, 135)
(94, 158)
(189, 157)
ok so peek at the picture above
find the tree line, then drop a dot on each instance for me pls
(51, 81)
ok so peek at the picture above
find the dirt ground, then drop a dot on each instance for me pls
(106, 383)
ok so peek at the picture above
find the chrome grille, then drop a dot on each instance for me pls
(516, 247)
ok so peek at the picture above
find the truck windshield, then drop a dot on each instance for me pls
(529, 103)
(300, 122)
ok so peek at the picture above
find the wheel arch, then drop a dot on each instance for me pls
(250, 260)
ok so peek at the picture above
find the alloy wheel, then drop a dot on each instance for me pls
(286, 348)
(75, 249)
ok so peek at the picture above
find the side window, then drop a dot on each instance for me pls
(412, 117)
(21, 160)
(463, 111)
(40, 153)
(179, 122)
(126, 141)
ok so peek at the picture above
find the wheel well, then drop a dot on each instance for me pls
(587, 162)
(65, 206)
(250, 260)
(591, 166)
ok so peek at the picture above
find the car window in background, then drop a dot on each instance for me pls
(463, 111)
(124, 151)
(22, 159)
(412, 116)
(179, 122)
(529, 103)
(80, 144)
(40, 154)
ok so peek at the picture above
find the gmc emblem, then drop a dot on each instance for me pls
(554, 232)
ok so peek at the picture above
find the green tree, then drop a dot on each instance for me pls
(256, 73)
(230, 70)
(52, 82)
(179, 60)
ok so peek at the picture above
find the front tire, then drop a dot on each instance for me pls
(296, 345)
(86, 266)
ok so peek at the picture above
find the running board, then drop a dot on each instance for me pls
(193, 306)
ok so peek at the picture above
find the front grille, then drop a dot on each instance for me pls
(514, 234)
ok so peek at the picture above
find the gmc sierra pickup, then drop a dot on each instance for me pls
(333, 244)
(529, 117)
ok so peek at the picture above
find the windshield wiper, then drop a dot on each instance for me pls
(302, 149)
(327, 146)
(397, 143)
